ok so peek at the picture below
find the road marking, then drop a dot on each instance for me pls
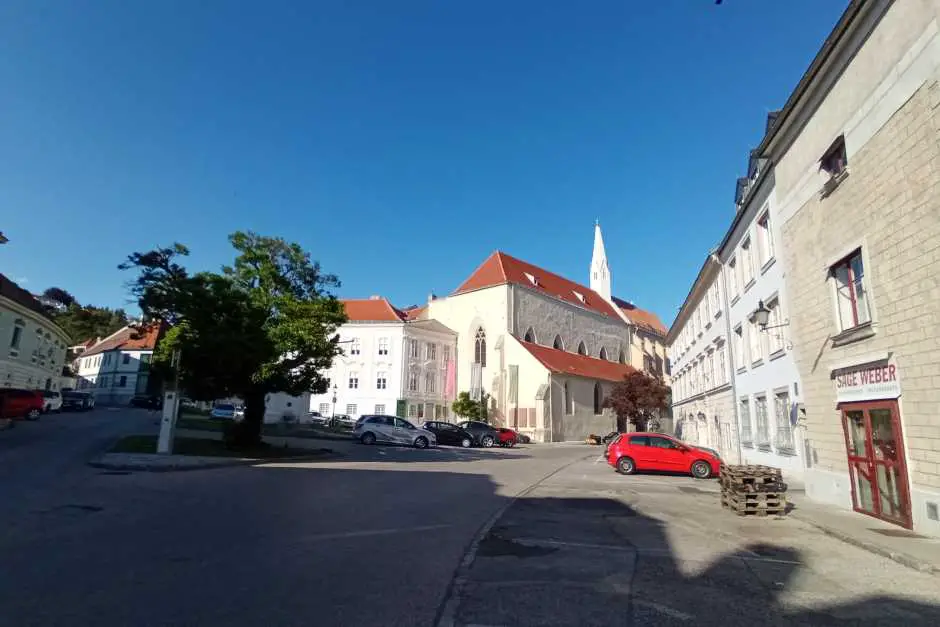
(663, 609)
(367, 533)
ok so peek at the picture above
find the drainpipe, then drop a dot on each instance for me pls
(731, 358)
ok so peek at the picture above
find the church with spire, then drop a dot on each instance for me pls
(543, 350)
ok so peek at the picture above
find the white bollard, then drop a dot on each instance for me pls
(168, 423)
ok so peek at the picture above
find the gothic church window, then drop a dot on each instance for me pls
(479, 347)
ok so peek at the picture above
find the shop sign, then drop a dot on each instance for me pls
(866, 382)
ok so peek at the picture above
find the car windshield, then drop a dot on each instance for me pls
(225, 407)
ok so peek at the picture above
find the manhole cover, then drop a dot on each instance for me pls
(899, 533)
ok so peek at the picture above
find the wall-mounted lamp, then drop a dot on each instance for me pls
(762, 316)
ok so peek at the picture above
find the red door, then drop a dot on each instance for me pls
(877, 467)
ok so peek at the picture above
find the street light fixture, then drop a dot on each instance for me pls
(762, 317)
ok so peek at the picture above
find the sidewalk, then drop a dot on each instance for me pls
(905, 547)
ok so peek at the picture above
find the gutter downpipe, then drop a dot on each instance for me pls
(731, 358)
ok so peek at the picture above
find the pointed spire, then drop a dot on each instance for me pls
(600, 271)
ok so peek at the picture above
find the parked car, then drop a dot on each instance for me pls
(342, 420)
(654, 451)
(147, 401)
(372, 429)
(483, 434)
(507, 437)
(224, 411)
(17, 403)
(52, 401)
(449, 434)
(82, 401)
(316, 418)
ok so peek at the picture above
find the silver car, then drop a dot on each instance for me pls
(394, 430)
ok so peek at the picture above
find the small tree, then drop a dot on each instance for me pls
(466, 407)
(637, 399)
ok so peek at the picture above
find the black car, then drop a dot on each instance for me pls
(81, 401)
(483, 434)
(147, 401)
(449, 434)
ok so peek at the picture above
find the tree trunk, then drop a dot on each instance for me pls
(254, 418)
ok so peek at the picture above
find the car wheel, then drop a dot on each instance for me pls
(367, 438)
(466, 442)
(421, 442)
(511, 443)
(486, 441)
(33, 414)
(701, 470)
(626, 466)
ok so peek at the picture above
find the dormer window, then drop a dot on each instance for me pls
(534, 280)
(579, 296)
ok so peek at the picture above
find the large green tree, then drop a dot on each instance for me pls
(265, 324)
(86, 322)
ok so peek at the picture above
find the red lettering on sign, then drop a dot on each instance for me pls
(892, 373)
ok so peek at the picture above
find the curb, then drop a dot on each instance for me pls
(222, 463)
(901, 558)
(447, 611)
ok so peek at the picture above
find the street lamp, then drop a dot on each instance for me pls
(333, 413)
(762, 317)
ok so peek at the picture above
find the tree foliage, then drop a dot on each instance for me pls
(637, 399)
(466, 407)
(265, 324)
(59, 295)
(87, 322)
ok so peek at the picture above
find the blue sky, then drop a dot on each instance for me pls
(399, 142)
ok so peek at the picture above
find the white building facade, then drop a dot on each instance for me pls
(117, 368)
(702, 386)
(32, 346)
(391, 364)
(766, 381)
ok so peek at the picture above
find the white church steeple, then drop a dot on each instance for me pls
(600, 272)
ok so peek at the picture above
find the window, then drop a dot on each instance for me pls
(354, 381)
(582, 350)
(852, 300)
(763, 427)
(534, 280)
(324, 408)
(622, 358)
(122, 382)
(104, 381)
(420, 408)
(775, 337)
(658, 442)
(412, 410)
(18, 326)
(603, 354)
(639, 440)
(747, 438)
(716, 299)
(569, 402)
(721, 376)
(747, 262)
(431, 351)
(739, 358)
(755, 342)
(380, 381)
(414, 349)
(380, 408)
(784, 439)
(648, 366)
(710, 377)
(707, 310)
(765, 239)
(479, 347)
(413, 382)
(834, 161)
(598, 399)
(351, 409)
(126, 359)
(383, 346)
(558, 344)
(445, 353)
(429, 383)
(355, 346)
(733, 277)
(529, 336)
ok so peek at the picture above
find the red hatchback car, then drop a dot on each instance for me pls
(15, 403)
(654, 451)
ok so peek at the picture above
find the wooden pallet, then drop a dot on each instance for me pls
(758, 504)
(749, 471)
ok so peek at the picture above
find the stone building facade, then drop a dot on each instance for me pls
(857, 157)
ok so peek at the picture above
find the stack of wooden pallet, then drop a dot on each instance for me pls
(753, 490)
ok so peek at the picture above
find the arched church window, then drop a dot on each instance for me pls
(603, 354)
(582, 349)
(598, 399)
(479, 347)
(622, 358)
(558, 344)
(569, 402)
(530, 335)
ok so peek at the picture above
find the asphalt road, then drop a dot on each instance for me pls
(376, 537)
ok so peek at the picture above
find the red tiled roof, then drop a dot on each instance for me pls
(415, 313)
(129, 339)
(563, 362)
(500, 268)
(646, 320)
(18, 295)
(371, 310)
